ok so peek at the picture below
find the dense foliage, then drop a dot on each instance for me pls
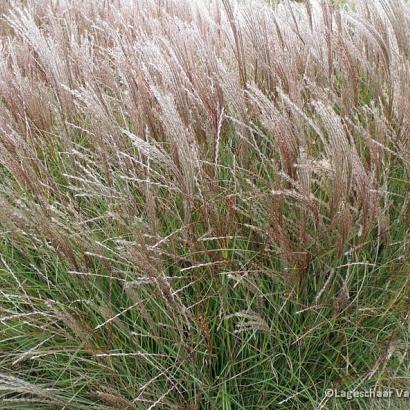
(203, 204)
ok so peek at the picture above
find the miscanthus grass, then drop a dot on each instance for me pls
(203, 204)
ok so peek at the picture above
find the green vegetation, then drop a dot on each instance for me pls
(204, 205)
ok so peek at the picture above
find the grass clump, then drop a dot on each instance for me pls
(203, 205)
